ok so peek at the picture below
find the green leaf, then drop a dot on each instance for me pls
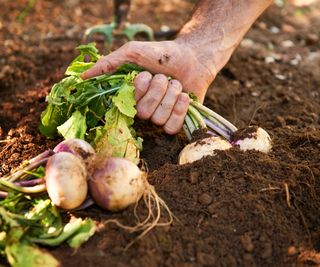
(78, 67)
(48, 220)
(74, 127)
(51, 118)
(125, 100)
(3, 240)
(129, 67)
(193, 96)
(87, 49)
(116, 139)
(12, 223)
(60, 91)
(22, 254)
(14, 202)
(86, 230)
(88, 92)
(39, 209)
(68, 230)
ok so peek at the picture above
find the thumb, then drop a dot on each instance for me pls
(106, 64)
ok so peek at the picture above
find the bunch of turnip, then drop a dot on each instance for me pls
(73, 171)
(113, 183)
(224, 135)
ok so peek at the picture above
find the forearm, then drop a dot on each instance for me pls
(217, 27)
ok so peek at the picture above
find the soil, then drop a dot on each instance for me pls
(234, 209)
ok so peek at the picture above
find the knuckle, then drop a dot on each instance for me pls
(180, 108)
(175, 87)
(131, 45)
(170, 129)
(153, 98)
(160, 78)
(143, 113)
(106, 66)
(144, 76)
(139, 80)
(140, 89)
(176, 83)
(158, 119)
(133, 51)
(159, 84)
(165, 106)
(127, 47)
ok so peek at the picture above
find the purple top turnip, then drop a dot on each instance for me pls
(78, 147)
(116, 183)
(66, 180)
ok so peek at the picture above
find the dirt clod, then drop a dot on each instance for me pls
(247, 243)
(193, 178)
(205, 199)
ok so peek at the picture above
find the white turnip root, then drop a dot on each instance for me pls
(78, 147)
(200, 117)
(116, 183)
(204, 147)
(66, 180)
(253, 138)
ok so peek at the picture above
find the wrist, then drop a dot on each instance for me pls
(194, 70)
(212, 53)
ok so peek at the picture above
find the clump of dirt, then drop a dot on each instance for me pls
(244, 133)
(234, 209)
(200, 134)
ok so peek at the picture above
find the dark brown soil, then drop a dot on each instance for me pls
(236, 208)
(241, 134)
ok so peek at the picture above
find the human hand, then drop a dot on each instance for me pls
(158, 99)
(161, 101)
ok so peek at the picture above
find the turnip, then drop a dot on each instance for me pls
(204, 147)
(253, 138)
(116, 183)
(78, 147)
(66, 180)
(225, 134)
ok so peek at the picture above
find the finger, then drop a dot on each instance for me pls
(141, 84)
(144, 54)
(163, 111)
(150, 101)
(174, 123)
(107, 64)
(130, 52)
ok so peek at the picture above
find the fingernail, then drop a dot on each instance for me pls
(175, 83)
(146, 75)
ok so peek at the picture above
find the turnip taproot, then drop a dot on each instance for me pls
(66, 180)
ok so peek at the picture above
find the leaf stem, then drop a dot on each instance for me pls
(17, 175)
(4, 185)
(208, 112)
